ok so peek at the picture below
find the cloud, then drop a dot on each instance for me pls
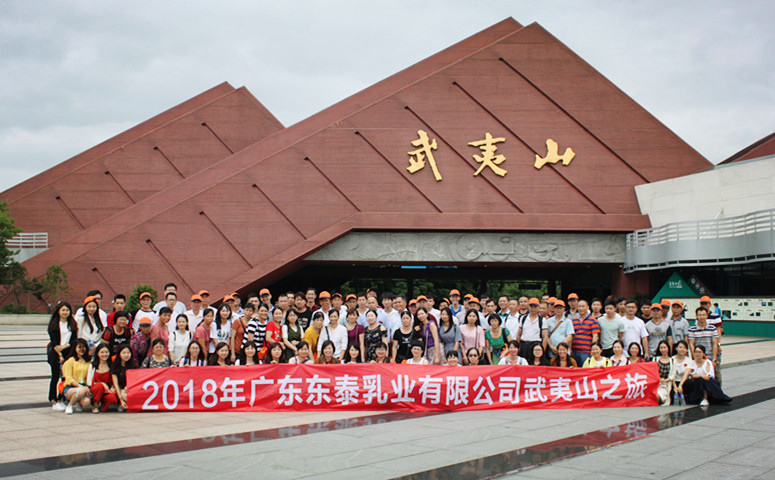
(27, 152)
(76, 71)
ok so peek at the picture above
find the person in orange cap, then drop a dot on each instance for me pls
(205, 296)
(532, 331)
(454, 302)
(145, 310)
(678, 322)
(573, 307)
(659, 330)
(265, 296)
(715, 320)
(560, 328)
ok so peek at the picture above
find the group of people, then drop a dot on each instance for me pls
(90, 350)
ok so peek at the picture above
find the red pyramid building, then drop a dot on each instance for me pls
(345, 169)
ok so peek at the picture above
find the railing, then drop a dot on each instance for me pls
(761, 221)
(741, 239)
(28, 240)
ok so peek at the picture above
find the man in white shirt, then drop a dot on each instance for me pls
(532, 331)
(504, 308)
(634, 329)
(432, 310)
(205, 296)
(171, 301)
(144, 311)
(512, 322)
(195, 314)
(394, 318)
(178, 307)
(324, 300)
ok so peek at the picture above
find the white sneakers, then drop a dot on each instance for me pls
(69, 410)
(58, 407)
(704, 403)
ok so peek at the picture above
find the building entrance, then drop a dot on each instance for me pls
(588, 281)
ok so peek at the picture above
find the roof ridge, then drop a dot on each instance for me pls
(750, 148)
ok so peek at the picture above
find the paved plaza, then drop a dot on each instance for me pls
(732, 441)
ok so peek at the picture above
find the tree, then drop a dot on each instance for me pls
(54, 284)
(133, 302)
(9, 268)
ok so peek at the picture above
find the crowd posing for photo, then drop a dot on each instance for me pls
(90, 351)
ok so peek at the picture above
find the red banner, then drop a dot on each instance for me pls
(271, 388)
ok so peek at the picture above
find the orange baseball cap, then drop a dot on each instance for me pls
(203, 292)
(336, 294)
(195, 298)
(145, 322)
(264, 291)
(705, 299)
(454, 291)
(88, 299)
(422, 297)
(324, 294)
(468, 296)
(559, 303)
(474, 300)
(228, 297)
(145, 294)
(534, 301)
(656, 306)
(413, 302)
(679, 303)
(446, 300)
(573, 296)
(552, 300)
(349, 296)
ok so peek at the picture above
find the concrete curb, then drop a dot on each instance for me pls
(30, 319)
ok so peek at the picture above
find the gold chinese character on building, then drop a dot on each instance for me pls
(417, 157)
(489, 159)
(553, 156)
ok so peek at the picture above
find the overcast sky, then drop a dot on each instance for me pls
(75, 73)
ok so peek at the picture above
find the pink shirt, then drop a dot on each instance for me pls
(203, 334)
(160, 330)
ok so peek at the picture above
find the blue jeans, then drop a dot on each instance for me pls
(580, 358)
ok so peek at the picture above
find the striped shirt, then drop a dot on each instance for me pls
(704, 337)
(584, 331)
(258, 330)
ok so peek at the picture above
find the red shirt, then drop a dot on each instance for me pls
(112, 322)
(276, 330)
